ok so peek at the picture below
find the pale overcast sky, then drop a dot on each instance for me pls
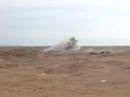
(46, 22)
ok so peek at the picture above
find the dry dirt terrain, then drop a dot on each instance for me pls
(28, 72)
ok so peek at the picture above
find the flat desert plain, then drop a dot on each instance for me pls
(29, 72)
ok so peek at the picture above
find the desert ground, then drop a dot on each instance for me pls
(29, 72)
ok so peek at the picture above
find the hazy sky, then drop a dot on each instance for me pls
(46, 22)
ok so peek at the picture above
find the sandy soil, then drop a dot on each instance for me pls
(28, 72)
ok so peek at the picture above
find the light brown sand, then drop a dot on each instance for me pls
(27, 72)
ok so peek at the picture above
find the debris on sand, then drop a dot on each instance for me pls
(100, 52)
(69, 45)
(103, 81)
(105, 52)
(43, 74)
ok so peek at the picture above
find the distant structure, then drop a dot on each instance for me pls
(69, 45)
